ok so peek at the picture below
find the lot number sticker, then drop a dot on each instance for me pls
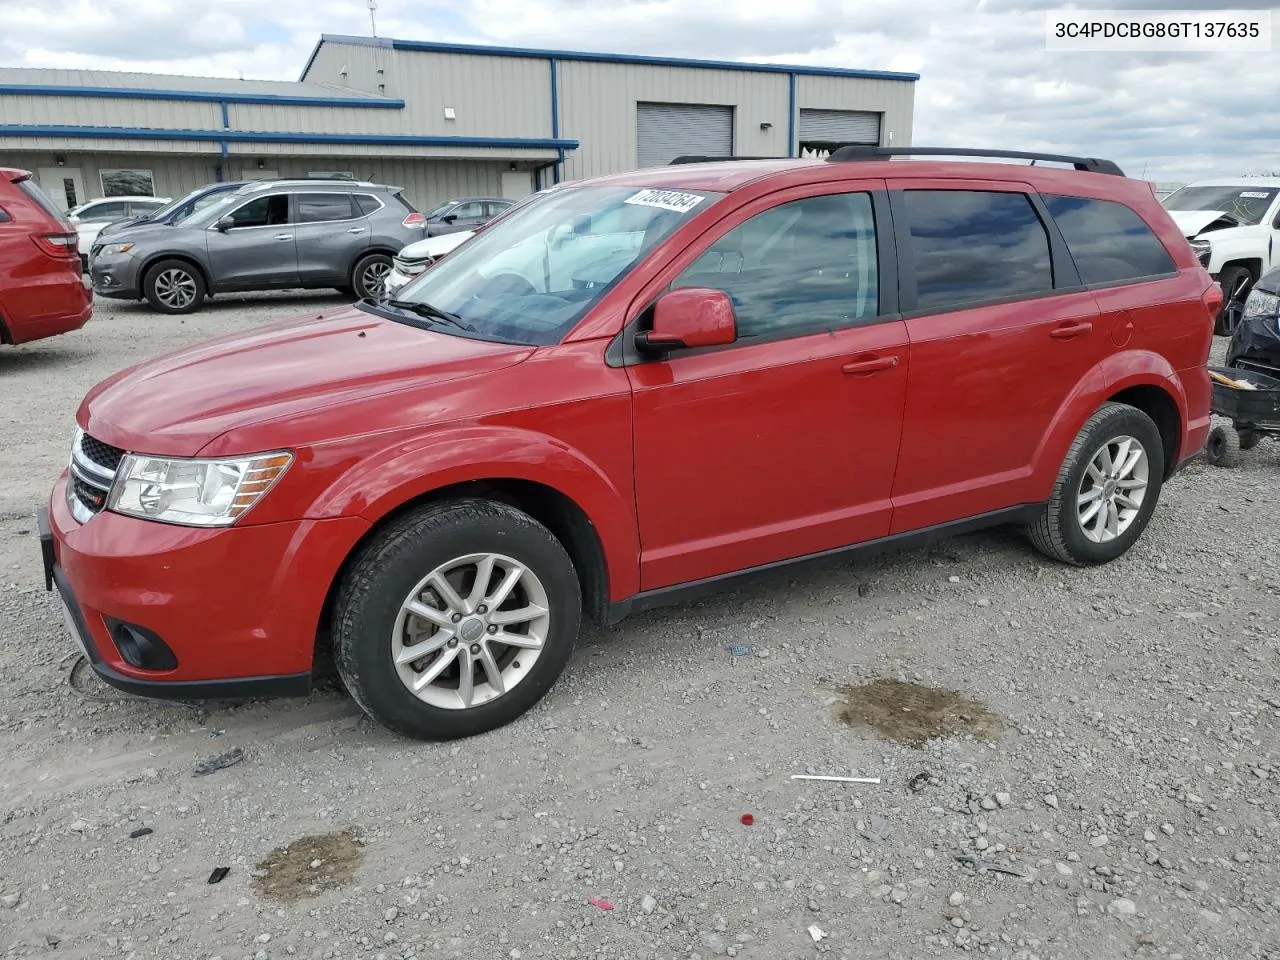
(1255, 195)
(666, 200)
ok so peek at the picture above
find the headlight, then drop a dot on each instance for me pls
(1202, 250)
(195, 493)
(1261, 304)
(115, 249)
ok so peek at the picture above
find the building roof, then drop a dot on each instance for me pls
(35, 81)
(625, 58)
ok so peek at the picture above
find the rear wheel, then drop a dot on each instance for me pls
(369, 276)
(456, 619)
(1249, 439)
(1236, 283)
(174, 286)
(1223, 446)
(1106, 490)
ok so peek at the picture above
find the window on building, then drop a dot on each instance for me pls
(262, 212)
(322, 207)
(127, 183)
(1108, 241)
(971, 246)
(796, 268)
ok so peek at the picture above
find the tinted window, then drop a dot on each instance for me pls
(319, 207)
(262, 212)
(797, 268)
(976, 245)
(1108, 241)
(496, 207)
(102, 212)
(366, 204)
(468, 211)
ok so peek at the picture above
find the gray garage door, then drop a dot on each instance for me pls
(665, 131)
(839, 126)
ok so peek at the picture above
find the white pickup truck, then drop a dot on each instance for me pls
(1234, 228)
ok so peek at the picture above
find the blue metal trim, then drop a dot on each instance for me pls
(791, 116)
(555, 118)
(425, 46)
(226, 116)
(132, 93)
(264, 136)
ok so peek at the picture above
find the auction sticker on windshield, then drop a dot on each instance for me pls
(666, 200)
(1255, 195)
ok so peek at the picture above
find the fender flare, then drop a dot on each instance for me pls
(1111, 376)
(376, 487)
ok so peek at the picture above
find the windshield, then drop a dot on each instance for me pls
(1246, 205)
(437, 211)
(211, 212)
(529, 277)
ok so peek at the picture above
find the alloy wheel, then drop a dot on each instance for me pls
(1113, 489)
(470, 631)
(176, 289)
(374, 278)
(1233, 310)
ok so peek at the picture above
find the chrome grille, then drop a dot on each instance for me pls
(93, 471)
(411, 267)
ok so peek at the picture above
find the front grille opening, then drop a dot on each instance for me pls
(90, 496)
(103, 454)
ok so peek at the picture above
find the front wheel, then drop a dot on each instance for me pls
(174, 287)
(1106, 490)
(456, 619)
(1236, 283)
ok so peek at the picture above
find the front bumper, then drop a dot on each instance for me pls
(184, 613)
(116, 278)
(396, 279)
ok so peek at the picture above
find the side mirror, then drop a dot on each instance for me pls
(225, 224)
(449, 218)
(689, 318)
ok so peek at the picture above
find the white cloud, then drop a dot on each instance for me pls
(987, 79)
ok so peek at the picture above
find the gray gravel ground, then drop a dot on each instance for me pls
(1134, 787)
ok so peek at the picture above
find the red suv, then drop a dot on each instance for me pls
(639, 386)
(42, 290)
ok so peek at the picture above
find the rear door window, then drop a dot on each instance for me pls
(323, 207)
(974, 246)
(1109, 242)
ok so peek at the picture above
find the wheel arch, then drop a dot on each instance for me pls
(1252, 264)
(1158, 404)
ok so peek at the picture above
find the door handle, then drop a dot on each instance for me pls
(1070, 330)
(356, 230)
(873, 365)
(283, 236)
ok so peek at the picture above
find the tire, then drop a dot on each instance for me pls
(1249, 439)
(367, 275)
(370, 624)
(174, 287)
(1065, 530)
(1236, 283)
(1223, 446)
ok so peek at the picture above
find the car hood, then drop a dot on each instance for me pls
(435, 246)
(143, 232)
(177, 404)
(1191, 222)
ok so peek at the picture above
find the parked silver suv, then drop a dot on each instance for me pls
(275, 235)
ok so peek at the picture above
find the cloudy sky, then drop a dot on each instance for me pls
(987, 79)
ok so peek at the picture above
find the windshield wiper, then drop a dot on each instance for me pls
(429, 312)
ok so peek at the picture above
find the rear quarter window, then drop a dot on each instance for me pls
(1108, 241)
(41, 200)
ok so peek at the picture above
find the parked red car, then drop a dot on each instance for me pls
(42, 291)
(640, 386)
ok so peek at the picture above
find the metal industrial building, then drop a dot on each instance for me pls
(439, 119)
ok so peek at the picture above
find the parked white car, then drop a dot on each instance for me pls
(1234, 228)
(90, 217)
(417, 256)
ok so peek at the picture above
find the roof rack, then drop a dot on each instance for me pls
(696, 159)
(860, 152)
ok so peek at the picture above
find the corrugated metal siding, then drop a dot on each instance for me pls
(491, 96)
(160, 81)
(839, 126)
(172, 176)
(665, 131)
(362, 64)
(105, 112)
(893, 98)
(254, 116)
(598, 107)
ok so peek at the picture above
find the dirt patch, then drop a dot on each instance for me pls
(913, 714)
(310, 865)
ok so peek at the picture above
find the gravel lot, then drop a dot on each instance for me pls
(1126, 771)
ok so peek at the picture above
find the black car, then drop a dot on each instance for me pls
(464, 213)
(1255, 344)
